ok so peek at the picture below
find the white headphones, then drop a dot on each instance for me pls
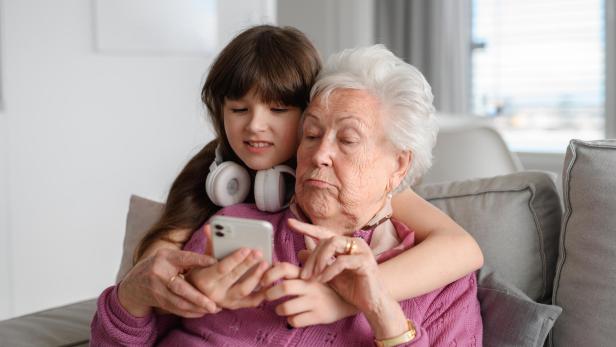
(228, 183)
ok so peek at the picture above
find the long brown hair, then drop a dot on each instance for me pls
(281, 64)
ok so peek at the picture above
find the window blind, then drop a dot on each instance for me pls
(538, 69)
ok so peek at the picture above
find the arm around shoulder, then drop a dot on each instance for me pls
(454, 315)
(444, 251)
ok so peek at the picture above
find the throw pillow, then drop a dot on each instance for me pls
(586, 273)
(511, 318)
(142, 214)
(515, 218)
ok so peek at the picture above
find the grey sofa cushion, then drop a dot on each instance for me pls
(63, 326)
(515, 219)
(142, 214)
(510, 318)
(584, 283)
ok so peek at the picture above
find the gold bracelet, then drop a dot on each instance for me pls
(407, 336)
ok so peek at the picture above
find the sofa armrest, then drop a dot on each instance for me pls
(62, 326)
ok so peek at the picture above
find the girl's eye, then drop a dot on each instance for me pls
(238, 110)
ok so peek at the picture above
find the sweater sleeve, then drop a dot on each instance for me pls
(444, 317)
(452, 318)
(112, 325)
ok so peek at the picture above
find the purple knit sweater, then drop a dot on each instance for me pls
(448, 316)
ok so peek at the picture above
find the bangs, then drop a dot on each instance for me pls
(278, 64)
(272, 82)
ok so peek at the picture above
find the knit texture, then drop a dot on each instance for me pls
(449, 316)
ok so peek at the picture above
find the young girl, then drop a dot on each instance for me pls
(255, 93)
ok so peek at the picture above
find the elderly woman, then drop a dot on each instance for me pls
(367, 133)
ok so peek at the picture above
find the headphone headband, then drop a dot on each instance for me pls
(217, 158)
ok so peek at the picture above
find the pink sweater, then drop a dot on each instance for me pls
(448, 316)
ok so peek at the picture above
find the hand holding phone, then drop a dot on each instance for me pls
(231, 233)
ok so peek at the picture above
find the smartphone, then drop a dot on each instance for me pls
(231, 233)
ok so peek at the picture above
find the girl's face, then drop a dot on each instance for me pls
(262, 135)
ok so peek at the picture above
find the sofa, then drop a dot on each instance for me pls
(550, 260)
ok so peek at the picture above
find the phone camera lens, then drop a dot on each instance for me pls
(220, 234)
(218, 226)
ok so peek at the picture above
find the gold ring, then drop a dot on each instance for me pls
(347, 247)
(171, 280)
(350, 247)
(180, 275)
(353, 247)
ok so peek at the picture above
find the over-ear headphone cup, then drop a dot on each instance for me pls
(271, 192)
(267, 192)
(228, 184)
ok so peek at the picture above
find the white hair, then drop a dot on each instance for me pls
(405, 95)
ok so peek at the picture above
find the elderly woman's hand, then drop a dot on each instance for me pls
(233, 282)
(349, 267)
(310, 302)
(154, 283)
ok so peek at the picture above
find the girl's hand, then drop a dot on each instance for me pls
(148, 285)
(232, 283)
(311, 303)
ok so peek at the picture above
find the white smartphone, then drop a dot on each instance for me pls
(231, 233)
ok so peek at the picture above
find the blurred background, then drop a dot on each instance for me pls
(99, 99)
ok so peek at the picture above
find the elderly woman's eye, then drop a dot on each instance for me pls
(348, 141)
(311, 135)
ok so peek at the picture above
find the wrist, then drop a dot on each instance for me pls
(347, 310)
(406, 337)
(387, 320)
(132, 306)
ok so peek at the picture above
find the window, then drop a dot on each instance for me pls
(538, 70)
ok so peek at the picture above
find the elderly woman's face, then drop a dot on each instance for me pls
(345, 163)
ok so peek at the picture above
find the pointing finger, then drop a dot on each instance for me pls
(309, 229)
